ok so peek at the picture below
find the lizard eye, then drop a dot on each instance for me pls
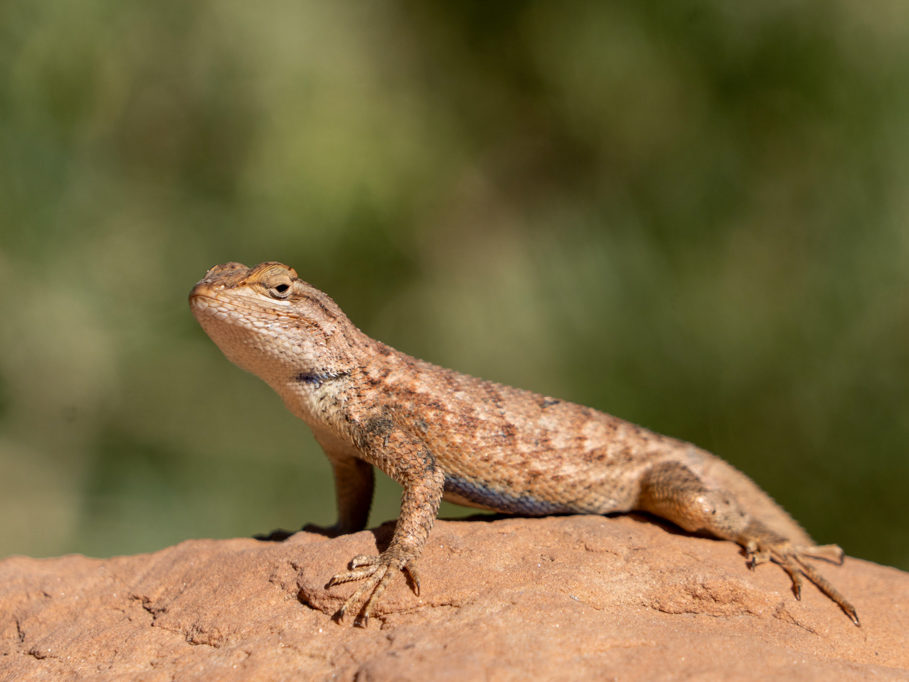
(280, 290)
(274, 279)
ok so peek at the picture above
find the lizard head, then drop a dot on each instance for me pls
(268, 321)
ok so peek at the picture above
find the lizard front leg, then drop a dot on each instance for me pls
(407, 460)
(354, 485)
(674, 492)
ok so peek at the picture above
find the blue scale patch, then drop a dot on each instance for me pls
(502, 501)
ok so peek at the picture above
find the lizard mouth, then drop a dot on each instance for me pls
(204, 303)
(235, 310)
(198, 297)
(201, 302)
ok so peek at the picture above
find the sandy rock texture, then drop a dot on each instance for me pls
(559, 598)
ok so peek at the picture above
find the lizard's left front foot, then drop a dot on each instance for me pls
(377, 572)
(792, 560)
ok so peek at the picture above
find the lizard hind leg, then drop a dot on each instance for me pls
(674, 492)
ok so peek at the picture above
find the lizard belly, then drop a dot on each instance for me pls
(473, 493)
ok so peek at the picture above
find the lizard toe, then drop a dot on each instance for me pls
(830, 553)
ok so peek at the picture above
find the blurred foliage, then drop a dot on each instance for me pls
(692, 215)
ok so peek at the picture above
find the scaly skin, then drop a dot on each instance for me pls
(441, 434)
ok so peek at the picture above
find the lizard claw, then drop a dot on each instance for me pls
(413, 577)
(376, 572)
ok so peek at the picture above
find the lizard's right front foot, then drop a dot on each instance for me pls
(377, 572)
(791, 559)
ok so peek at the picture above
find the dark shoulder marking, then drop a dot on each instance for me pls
(317, 378)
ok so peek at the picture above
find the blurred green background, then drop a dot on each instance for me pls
(693, 215)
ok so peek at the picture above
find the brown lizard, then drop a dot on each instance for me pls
(442, 434)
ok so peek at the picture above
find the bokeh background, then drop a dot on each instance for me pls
(693, 215)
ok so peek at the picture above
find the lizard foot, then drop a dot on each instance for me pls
(376, 572)
(331, 531)
(792, 560)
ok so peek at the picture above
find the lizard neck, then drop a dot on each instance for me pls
(319, 387)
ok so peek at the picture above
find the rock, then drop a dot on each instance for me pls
(551, 598)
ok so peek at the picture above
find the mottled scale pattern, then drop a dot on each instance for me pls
(440, 433)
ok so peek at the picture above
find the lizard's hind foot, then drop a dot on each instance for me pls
(792, 560)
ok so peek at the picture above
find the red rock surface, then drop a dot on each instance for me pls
(554, 598)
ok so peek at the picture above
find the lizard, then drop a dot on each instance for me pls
(443, 434)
